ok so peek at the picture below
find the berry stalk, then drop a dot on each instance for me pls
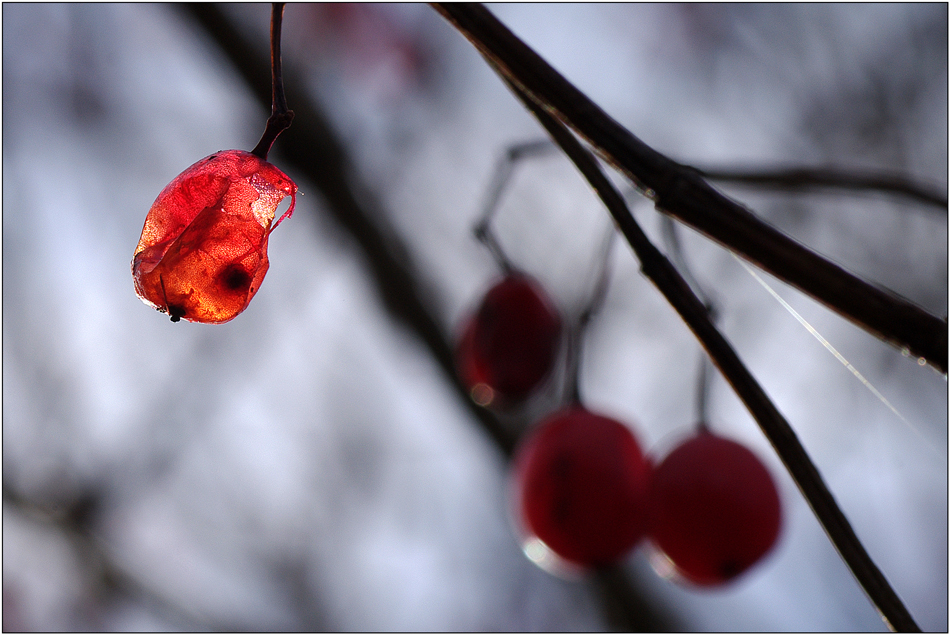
(281, 117)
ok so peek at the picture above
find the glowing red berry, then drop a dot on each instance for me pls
(509, 345)
(714, 510)
(581, 485)
(203, 251)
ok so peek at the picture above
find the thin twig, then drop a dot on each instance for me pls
(658, 269)
(280, 118)
(796, 179)
(802, 179)
(676, 255)
(681, 192)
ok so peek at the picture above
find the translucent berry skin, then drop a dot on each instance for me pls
(581, 485)
(203, 251)
(508, 347)
(714, 509)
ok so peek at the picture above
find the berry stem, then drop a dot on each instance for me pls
(576, 336)
(675, 248)
(281, 117)
(482, 229)
(702, 395)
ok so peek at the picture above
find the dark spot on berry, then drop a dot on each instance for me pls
(235, 277)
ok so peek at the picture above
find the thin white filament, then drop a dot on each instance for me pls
(832, 349)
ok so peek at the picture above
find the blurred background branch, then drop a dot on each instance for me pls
(312, 149)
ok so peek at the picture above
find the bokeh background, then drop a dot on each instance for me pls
(311, 465)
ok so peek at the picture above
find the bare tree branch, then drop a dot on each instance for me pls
(667, 279)
(682, 193)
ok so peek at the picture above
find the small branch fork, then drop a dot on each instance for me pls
(681, 192)
(280, 118)
(661, 272)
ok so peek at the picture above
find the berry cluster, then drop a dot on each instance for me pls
(584, 493)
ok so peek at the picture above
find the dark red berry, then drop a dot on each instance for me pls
(581, 485)
(714, 509)
(509, 346)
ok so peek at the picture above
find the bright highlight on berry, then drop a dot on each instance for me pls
(580, 491)
(714, 510)
(509, 346)
(203, 251)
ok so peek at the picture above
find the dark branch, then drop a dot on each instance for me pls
(667, 279)
(680, 192)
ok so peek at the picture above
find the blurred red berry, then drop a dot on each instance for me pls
(509, 346)
(714, 509)
(378, 50)
(203, 251)
(581, 485)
